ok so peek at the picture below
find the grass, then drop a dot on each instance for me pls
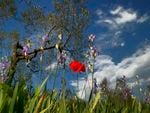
(19, 100)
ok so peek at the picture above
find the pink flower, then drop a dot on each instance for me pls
(44, 39)
(92, 37)
(26, 50)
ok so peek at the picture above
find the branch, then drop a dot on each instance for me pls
(18, 57)
(34, 53)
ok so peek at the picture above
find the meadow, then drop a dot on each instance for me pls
(35, 34)
(20, 100)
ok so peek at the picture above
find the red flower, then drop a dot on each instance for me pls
(77, 66)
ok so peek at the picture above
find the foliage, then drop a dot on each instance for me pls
(19, 100)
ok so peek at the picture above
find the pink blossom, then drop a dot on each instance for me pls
(26, 50)
(44, 39)
(92, 37)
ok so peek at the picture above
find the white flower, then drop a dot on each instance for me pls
(60, 36)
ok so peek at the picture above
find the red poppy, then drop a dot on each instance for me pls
(77, 66)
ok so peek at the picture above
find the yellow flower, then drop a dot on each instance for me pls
(42, 48)
(57, 46)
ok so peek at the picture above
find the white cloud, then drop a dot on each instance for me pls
(108, 21)
(125, 16)
(122, 44)
(99, 12)
(109, 39)
(120, 20)
(116, 11)
(137, 64)
(51, 66)
(119, 16)
(143, 19)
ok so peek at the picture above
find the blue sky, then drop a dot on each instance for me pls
(128, 35)
(122, 36)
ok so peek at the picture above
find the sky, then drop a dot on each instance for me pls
(122, 36)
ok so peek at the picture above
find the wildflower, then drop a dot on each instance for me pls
(62, 57)
(147, 100)
(4, 78)
(92, 37)
(4, 63)
(90, 67)
(29, 43)
(44, 39)
(93, 52)
(42, 48)
(126, 93)
(25, 50)
(57, 46)
(77, 66)
(4, 66)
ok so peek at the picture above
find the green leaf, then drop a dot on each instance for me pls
(139, 107)
(96, 99)
(13, 100)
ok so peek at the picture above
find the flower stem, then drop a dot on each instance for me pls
(92, 76)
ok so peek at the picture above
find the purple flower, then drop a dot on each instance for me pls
(62, 57)
(4, 65)
(93, 52)
(147, 100)
(92, 37)
(44, 39)
(126, 93)
(4, 78)
(26, 50)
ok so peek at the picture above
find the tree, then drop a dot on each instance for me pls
(68, 19)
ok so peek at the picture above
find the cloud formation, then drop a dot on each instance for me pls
(123, 16)
(117, 17)
(143, 18)
(117, 21)
(137, 64)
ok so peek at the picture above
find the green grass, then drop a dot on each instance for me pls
(19, 100)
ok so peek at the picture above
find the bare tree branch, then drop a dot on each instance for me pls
(18, 56)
